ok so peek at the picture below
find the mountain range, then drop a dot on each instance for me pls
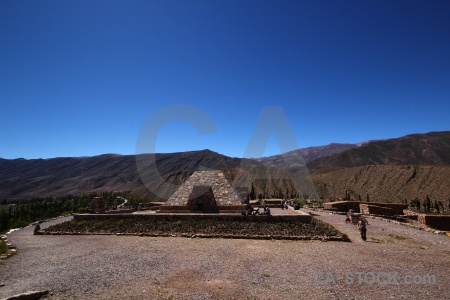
(392, 170)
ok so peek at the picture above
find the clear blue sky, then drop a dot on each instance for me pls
(79, 78)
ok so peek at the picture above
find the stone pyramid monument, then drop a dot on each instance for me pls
(205, 190)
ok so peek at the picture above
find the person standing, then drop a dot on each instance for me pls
(347, 216)
(266, 209)
(362, 227)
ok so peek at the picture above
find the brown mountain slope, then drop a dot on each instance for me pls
(62, 176)
(271, 181)
(416, 149)
(22, 178)
(295, 160)
(266, 180)
(416, 165)
(383, 169)
(385, 183)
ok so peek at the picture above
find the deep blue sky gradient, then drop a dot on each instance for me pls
(79, 78)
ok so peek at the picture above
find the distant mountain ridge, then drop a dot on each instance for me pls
(416, 149)
(108, 172)
(21, 178)
(393, 170)
(421, 162)
(298, 158)
(385, 183)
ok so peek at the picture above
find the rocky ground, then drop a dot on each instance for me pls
(132, 267)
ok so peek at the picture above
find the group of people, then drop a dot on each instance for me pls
(285, 204)
(250, 211)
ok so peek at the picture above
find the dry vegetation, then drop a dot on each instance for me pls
(196, 227)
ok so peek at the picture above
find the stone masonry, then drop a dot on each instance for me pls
(224, 193)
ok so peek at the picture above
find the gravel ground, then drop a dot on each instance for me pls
(131, 267)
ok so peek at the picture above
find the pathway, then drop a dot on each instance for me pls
(338, 221)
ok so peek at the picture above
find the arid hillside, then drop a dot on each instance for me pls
(416, 149)
(150, 177)
(265, 181)
(392, 170)
(21, 178)
(385, 183)
(294, 161)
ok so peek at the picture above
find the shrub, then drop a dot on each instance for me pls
(81, 223)
(298, 202)
(99, 225)
(3, 248)
(398, 237)
(19, 224)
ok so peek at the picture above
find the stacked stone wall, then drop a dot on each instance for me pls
(391, 208)
(224, 193)
(375, 210)
(435, 221)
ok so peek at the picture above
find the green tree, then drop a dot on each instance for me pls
(4, 219)
(415, 203)
(252, 192)
(436, 207)
(427, 204)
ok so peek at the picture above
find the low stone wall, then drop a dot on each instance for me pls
(31, 295)
(233, 209)
(120, 211)
(272, 203)
(411, 217)
(152, 204)
(173, 209)
(237, 209)
(11, 248)
(435, 221)
(375, 210)
(340, 205)
(396, 208)
(391, 208)
(297, 218)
